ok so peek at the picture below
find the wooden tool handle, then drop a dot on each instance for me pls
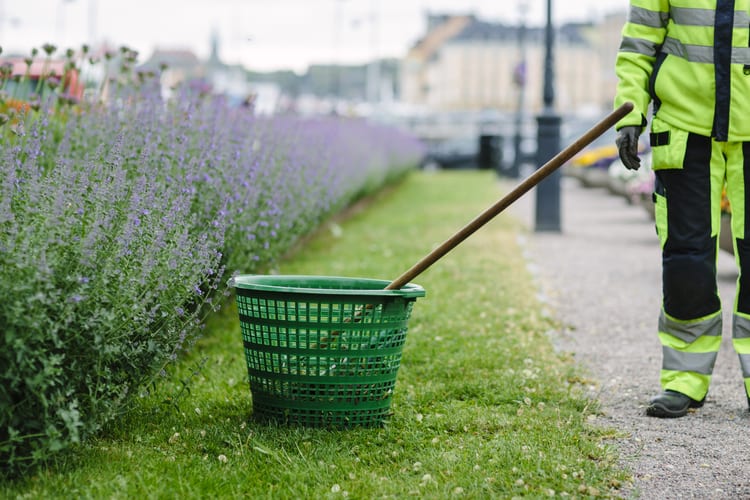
(528, 183)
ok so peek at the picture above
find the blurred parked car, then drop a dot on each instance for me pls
(600, 153)
(592, 165)
(454, 152)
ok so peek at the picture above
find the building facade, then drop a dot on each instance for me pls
(465, 64)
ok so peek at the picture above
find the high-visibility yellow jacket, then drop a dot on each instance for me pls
(692, 59)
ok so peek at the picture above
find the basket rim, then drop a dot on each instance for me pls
(301, 283)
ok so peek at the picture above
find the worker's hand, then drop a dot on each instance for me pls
(627, 145)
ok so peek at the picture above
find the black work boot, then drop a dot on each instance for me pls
(671, 404)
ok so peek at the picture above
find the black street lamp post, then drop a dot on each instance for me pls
(548, 142)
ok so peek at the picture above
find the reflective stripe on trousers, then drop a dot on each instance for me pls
(688, 212)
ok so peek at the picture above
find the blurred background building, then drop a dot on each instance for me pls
(464, 63)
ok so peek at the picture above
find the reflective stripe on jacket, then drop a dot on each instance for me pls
(692, 59)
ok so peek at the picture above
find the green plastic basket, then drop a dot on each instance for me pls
(322, 351)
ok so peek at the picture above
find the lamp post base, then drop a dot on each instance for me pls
(548, 191)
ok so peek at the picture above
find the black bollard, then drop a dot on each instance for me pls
(489, 149)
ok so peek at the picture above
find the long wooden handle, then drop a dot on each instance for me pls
(531, 181)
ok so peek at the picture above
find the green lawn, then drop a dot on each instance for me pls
(483, 406)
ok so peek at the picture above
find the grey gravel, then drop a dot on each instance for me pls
(601, 277)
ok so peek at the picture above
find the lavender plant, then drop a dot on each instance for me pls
(119, 220)
(104, 278)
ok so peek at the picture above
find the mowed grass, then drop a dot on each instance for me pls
(483, 406)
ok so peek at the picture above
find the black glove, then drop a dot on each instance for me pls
(627, 145)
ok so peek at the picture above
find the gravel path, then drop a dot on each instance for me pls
(601, 277)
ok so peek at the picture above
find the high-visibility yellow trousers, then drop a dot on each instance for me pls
(692, 172)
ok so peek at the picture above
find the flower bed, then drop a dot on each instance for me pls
(119, 221)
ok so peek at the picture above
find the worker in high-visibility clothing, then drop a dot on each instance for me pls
(690, 61)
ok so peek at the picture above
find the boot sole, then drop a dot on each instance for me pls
(661, 411)
(664, 412)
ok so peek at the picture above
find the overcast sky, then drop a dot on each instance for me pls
(262, 34)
